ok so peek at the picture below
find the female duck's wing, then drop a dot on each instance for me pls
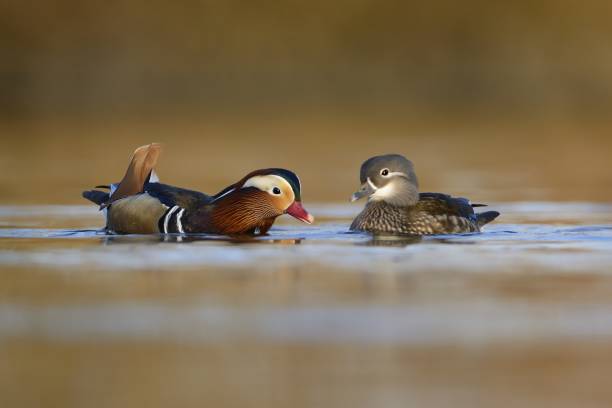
(455, 213)
(444, 214)
(438, 203)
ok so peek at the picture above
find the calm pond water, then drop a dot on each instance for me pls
(309, 315)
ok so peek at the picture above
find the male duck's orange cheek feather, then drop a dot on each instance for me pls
(297, 211)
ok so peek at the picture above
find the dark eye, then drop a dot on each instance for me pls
(276, 190)
(384, 172)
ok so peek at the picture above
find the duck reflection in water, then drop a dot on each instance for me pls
(393, 240)
(191, 238)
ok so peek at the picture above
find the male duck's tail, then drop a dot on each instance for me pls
(486, 217)
(96, 196)
(138, 173)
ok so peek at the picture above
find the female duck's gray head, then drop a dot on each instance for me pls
(389, 178)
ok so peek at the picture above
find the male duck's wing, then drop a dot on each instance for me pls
(171, 196)
(179, 203)
(159, 208)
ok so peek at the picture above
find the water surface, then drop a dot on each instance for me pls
(307, 314)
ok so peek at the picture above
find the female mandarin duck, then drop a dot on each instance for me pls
(395, 206)
(139, 204)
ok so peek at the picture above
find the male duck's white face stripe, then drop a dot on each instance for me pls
(267, 184)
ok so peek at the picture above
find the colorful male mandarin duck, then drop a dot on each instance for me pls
(395, 206)
(140, 204)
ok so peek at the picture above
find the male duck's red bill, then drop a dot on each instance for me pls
(297, 211)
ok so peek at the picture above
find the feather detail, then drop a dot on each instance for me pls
(242, 212)
(96, 196)
(153, 177)
(434, 213)
(142, 162)
(137, 214)
(141, 204)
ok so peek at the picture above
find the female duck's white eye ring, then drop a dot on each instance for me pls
(276, 190)
(384, 172)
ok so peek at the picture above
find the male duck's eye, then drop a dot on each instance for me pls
(276, 190)
(384, 172)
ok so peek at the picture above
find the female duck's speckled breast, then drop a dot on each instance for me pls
(382, 217)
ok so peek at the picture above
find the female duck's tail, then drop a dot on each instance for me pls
(486, 217)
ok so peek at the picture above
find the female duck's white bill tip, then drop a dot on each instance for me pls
(368, 188)
(298, 212)
(356, 196)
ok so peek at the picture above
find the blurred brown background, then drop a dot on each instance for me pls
(497, 100)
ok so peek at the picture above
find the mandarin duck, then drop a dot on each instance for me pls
(140, 204)
(395, 205)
